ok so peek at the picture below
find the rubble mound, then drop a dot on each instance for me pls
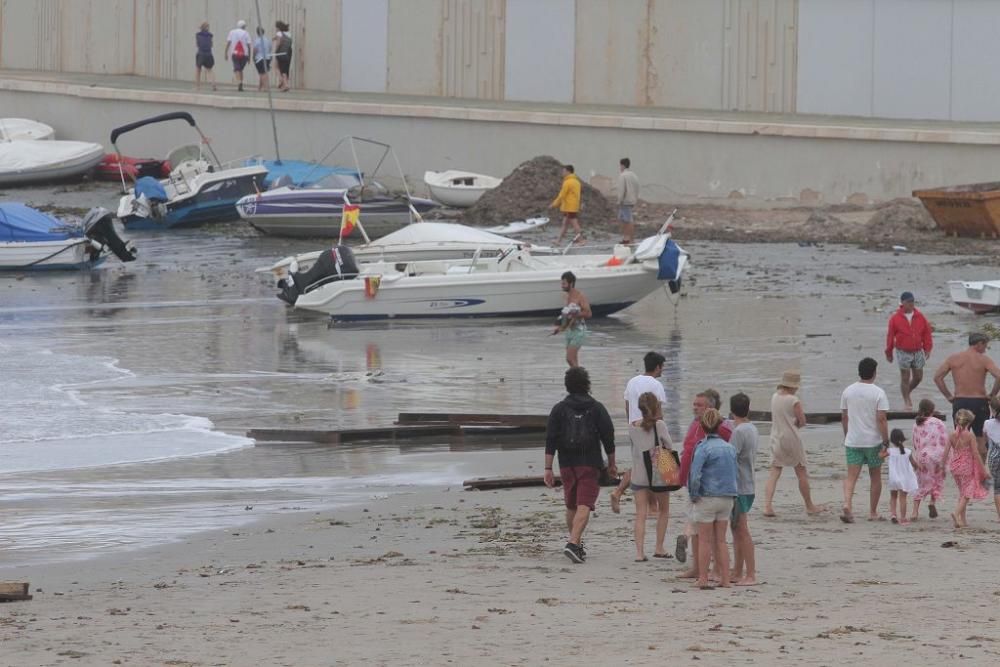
(899, 218)
(527, 192)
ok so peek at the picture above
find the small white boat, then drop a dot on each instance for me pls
(518, 226)
(23, 129)
(417, 242)
(32, 240)
(458, 189)
(979, 297)
(39, 161)
(515, 283)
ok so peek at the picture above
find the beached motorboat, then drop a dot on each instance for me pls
(32, 240)
(302, 174)
(316, 210)
(24, 129)
(977, 296)
(514, 283)
(43, 161)
(459, 189)
(199, 189)
(417, 242)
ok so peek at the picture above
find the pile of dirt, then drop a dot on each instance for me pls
(527, 192)
(899, 219)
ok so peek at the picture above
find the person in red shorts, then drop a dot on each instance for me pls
(578, 427)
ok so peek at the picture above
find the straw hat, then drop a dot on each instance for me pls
(790, 379)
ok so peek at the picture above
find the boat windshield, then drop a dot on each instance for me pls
(335, 182)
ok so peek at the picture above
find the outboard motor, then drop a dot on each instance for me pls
(99, 226)
(338, 263)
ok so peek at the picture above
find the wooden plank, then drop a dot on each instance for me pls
(490, 483)
(530, 421)
(13, 591)
(334, 437)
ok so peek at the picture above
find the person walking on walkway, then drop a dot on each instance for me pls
(787, 417)
(628, 197)
(910, 336)
(238, 45)
(203, 58)
(568, 203)
(282, 53)
(578, 427)
(969, 369)
(864, 411)
(262, 59)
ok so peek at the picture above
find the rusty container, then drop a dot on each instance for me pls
(964, 210)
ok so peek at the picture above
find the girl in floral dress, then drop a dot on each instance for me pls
(930, 440)
(966, 465)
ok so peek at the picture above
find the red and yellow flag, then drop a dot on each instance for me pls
(349, 219)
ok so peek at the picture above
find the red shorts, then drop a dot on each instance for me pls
(580, 486)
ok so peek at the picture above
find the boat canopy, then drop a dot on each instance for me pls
(302, 174)
(176, 115)
(23, 223)
(438, 232)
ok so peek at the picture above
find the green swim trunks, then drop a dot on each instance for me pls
(576, 336)
(742, 505)
(864, 456)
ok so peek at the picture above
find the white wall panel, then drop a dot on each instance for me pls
(912, 60)
(364, 40)
(976, 67)
(540, 50)
(835, 67)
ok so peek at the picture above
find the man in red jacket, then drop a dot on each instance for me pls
(910, 335)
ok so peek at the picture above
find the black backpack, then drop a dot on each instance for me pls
(285, 44)
(580, 433)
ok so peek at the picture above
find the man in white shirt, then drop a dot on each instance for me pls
(864, 411)
(238, 44)
(636, 387)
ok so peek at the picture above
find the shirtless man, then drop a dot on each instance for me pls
(573, 320)
(968, 369)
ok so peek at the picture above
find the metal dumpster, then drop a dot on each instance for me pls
(964, 210)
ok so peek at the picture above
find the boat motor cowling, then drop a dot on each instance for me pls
(99, 226)
(338, 263)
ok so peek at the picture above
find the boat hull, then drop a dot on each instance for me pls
(520, 294)
(60, 168)
(317, 214)
(458, 189)
(215, 202)
(69, 254)
(979, 297)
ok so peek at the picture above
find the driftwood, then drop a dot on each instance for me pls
(488, 483)
(13, 591)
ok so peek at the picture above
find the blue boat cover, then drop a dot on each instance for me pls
(23, 223)
(670, 268)
(302, 174)
(152, 188)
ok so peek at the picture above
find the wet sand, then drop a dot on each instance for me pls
(479, 578)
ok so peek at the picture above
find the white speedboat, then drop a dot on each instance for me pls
(41, 161)
(458, 189)
(514, 283)
(200, 189)
(418, 242)
(32, 240)
(979, 297)
(23, 129)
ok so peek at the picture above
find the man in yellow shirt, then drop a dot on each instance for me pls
(568, 203)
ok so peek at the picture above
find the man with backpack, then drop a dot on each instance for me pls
(577, 429)
(238, 44)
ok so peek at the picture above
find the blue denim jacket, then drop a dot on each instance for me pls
(713, 469)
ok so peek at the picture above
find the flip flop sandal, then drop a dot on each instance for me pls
(680, 552)
(662, 556)
(894, 520)
(933, 511)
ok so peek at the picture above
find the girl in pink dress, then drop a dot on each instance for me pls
(966, 465)
(930, 440)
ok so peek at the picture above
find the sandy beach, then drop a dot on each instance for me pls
(194, 547)
(453, 577)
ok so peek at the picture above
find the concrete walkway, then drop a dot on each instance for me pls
(143, 89)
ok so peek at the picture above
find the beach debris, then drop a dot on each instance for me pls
(527, 192)
(949, 544)
(899, 248)
(549, 602)
(14, 591)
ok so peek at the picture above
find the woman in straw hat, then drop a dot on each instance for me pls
(787, 417)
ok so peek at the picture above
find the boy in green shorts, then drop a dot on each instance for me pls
(864, 409)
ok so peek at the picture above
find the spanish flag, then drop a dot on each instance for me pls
(349, 219)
